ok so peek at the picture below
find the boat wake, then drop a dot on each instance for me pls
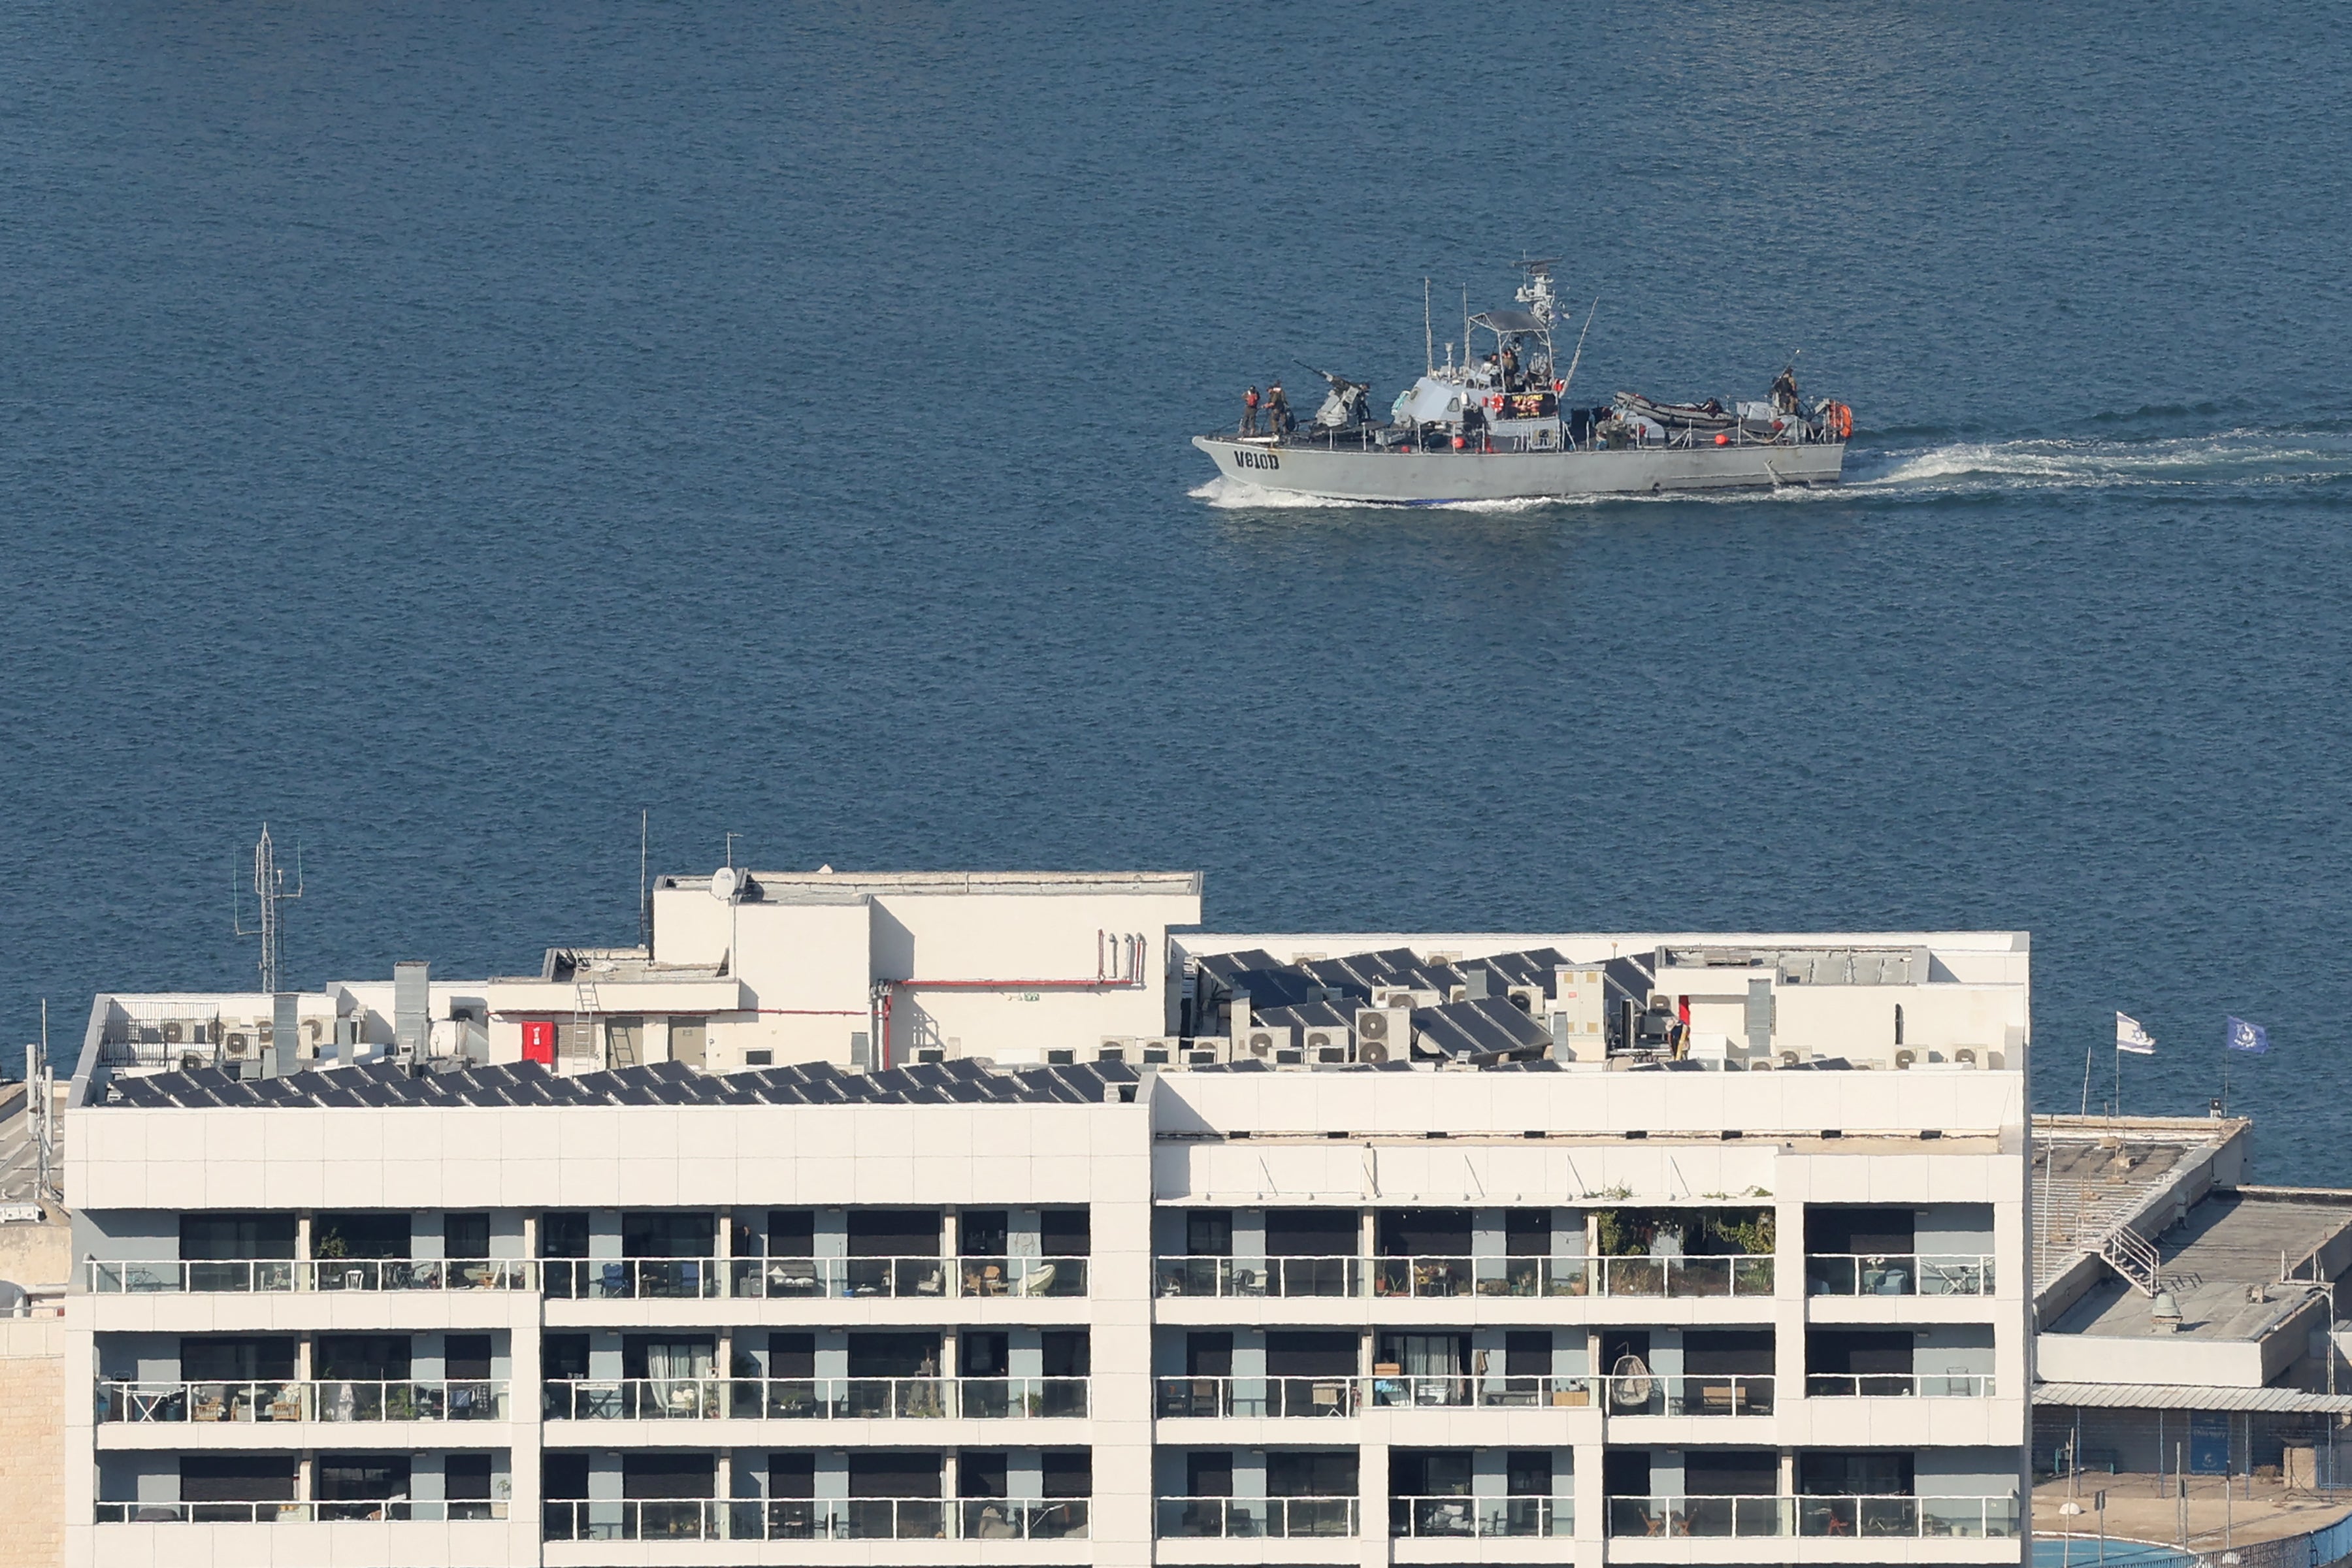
(2245, 460)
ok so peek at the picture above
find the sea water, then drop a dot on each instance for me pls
(446, 432)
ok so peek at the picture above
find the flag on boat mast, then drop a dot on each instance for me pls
(2130, 1036)
(2251, 1038)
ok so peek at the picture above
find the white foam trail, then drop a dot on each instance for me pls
(2227, 457)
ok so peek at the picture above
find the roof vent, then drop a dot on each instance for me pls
(2164, 1313)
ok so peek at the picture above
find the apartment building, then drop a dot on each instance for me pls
(1580, 1249)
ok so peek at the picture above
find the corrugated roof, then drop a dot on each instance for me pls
(2187, 1396)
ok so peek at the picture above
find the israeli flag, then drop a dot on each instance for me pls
(2251, 1038)
(2130, 1036)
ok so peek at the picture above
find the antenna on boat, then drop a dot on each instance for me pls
(1569, 379)
(1465, 326)
(1428, 342)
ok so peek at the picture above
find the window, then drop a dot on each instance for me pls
(792, 1476)
(1066, 1352)
(981, 1353)
(655, 1475)
(1527, 1472)
(984, 1233)
(894, 1355)
(1330, 1472)
(1310, 1352)
(563, 1235)
(225, 1235)
(563, 1358)
(792, 1355)
(229, 1358)
(1526, 1233)
(1208, 1233)
(1734, 1353)
(1731, 1472)
(667, 1356)
(1209, 1472)
(688, 1234)
(564, 1476)
(360, 1236)
(1429, 1472)
(982, 1474)
(1064, 1232)
(1526, 1352)
(1311, 1232)
(879, 1473)
(894, 1233)
(1424, 1233)
(466, 1236)
(237, 1477)
(465, 1478)
(363, 1357)
(465, 1357)
(1209, 1353)
(791, 1233)
(361, 1484)
(1067, 1472)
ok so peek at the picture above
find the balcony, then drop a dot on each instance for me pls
(1898, 1274)
(1395, 1392)
(335, 1400)
(1898, 1385)
(1967, 1518)
(825, 1518)
(269, 1276)
(751, 1278)
(814, 1399)
(1715, 1394)
(1255, 1397)
(1487, 1518)
(1427, 1277)
(1255, 1518)
(456, 1511)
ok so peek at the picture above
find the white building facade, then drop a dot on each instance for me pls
(1738, 1274)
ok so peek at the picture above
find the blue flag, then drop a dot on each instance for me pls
(2251, 1038)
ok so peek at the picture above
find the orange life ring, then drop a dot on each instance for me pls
(1559, 387)
(1494, 401)
(1842, 420)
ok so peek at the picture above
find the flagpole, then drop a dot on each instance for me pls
(2119, 1080)
(2086, 1078)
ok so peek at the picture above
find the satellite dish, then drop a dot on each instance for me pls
(725, 882)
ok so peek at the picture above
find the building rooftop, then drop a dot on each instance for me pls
(2230, 1268)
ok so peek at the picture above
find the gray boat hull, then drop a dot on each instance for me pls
(1428, 478)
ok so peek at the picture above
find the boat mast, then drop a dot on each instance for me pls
(1428, 342)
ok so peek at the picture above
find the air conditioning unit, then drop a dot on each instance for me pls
(1289, 1056)
(237, 1047)
(1905, 1058)
(1155, 1051)
(1203, 1053)
(1384, 1034)
(1964, 1056)
(201, 1034)
(1259, 1043)
(1403, 997)
(190, 1061)
(1115, 1048)
(1529, 999)
(1327, 1046)
(171, 1033)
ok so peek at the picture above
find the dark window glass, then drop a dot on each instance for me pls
(791, 1474)
(234, 1358)
(1311, 1352)
(791, 1233)
(1209, 1353)
(466, 1357)
(1730, 1472)
(359, 1477)
(1064, 1233)
(237, 1235)
(1208, 1233)
(1329, 1472)
(981, 1473)
(1869, 1232)
(563, 1357)
(1725, 1353)
(1429, 1472)
(1868, 1474)
(466, 1236)
(668, 1235)
(792, 1355)
(983, 1353)
(1526, 1352)
(360, 1236)
(1209, 1472)
(894, 1233)
(1526, 1233)
(1851, 1351)
(563, 1235)
(237, 1477)
(1527, 1472)
(984, 1233)
(1068, 1472)
(633, 1349)
(564, 1476)
(1420, 1232)
(669, 1475)
(371, 1358)
(1066, 1352)
(465, 1478)
(878, 1473)
(1311, 1232)
(1625, 1472)
(894, 1355)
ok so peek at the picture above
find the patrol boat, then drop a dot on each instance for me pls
(1498, 428)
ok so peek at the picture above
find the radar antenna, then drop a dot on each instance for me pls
(269, 892)
(1536, 292)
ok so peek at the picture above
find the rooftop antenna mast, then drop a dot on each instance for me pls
(269, 892)
(645, 909)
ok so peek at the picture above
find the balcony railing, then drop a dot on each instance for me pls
(1455, 1275)
(822, 1519)
(1250, 1519)
(1898, 1274)
(332, 1399)
(456, 1511)
(1701, 1395)
(1898, 1385)
(812, 1398)
(1395, 1392)
(1965, 1517)
(1482, 1516)
(1257, 1396)
(626, 1279)
(265, 1276)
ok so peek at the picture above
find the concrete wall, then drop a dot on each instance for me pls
(32, 1456)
